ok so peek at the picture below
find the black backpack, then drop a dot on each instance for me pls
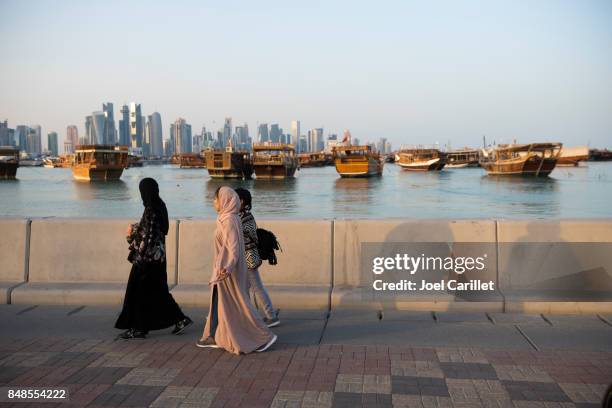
(267, 245)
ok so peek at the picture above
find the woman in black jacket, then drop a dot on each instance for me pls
(148, 305)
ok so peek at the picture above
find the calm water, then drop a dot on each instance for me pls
(582, 192)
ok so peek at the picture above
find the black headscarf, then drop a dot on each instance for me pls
(149, 191)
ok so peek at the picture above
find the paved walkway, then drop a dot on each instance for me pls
(73, 347)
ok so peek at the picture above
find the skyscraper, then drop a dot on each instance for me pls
(155, 135)
(21, 137)
(34, 140)
(209, 141)
(219, 141)
(136, 125)
(331, 142)
(110, 132)
(100, 127)
(262, 133)
(95, 128)
(275, 133)
(382, 145)
(52, 143)
(303, 144)
(72, 139)
(295, 134)
(7, 135)
(10, 137)
(188, 139)
(98, 130)
(88, 130)
(172, 143)
(227, 131)
(146, 141)
(168, 147)
(242, 137)
(315, 140)
(124, 127)
(198, 143)
(181, 134)
(4, 139)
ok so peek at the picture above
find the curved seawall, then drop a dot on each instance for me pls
(560, 266)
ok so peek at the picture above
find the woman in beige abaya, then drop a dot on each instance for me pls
(232, 323)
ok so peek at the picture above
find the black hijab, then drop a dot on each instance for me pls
(149, 191)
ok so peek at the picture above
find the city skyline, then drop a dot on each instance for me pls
(410, 73)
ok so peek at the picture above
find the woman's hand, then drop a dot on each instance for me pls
(224, 274)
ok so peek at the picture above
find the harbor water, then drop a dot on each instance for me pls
(570, 192)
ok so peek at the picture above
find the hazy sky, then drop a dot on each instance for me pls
(411, 71)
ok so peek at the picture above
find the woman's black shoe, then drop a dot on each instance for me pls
(132, 334)
(182, 325)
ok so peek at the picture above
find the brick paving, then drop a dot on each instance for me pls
(159, 373)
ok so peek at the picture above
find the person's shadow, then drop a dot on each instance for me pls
(541, 265)
(432, 241)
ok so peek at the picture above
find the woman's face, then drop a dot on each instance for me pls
(216, 204)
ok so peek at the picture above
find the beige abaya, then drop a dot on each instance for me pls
(239, 328)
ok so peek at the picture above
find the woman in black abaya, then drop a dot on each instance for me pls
(148, 305)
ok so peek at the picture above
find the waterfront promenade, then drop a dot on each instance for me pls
(345, 359)
(542, 339)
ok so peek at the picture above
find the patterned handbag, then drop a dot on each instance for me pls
(253, 259)
(147, 241)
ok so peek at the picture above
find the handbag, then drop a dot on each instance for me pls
(155, 251)
(253, 260)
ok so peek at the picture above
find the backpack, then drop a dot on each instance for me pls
(267, 245)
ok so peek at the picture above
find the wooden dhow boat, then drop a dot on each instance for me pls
(192, 161)
(600, 155)
(317, 159)
(175, 159)
(462, 158)
(358, 161)
(99, 162)
(421, 159)
(9, 162)
(229, 164)
(52, 162)
(134, 160)
(30, 161)
(66, 160)
(532, 159)
(274, 160)
(571, 156)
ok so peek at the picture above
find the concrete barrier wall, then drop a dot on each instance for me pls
(84, 262)
(353, 284)
(302, 278)
(12, 255)
(556, 266)
(81, 261)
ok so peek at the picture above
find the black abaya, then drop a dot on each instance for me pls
(148, 305)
